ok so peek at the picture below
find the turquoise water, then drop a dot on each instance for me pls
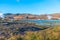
(44, 22)
(41, 21)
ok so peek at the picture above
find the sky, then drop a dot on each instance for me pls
(30, 6)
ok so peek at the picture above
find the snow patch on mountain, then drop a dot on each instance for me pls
(1, 15)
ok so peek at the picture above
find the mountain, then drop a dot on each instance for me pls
(55, 15)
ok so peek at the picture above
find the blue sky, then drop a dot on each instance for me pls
(30, 6)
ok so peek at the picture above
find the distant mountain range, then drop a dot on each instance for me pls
(55, 16)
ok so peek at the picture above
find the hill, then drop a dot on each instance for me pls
(52, 33)
(55, 15)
